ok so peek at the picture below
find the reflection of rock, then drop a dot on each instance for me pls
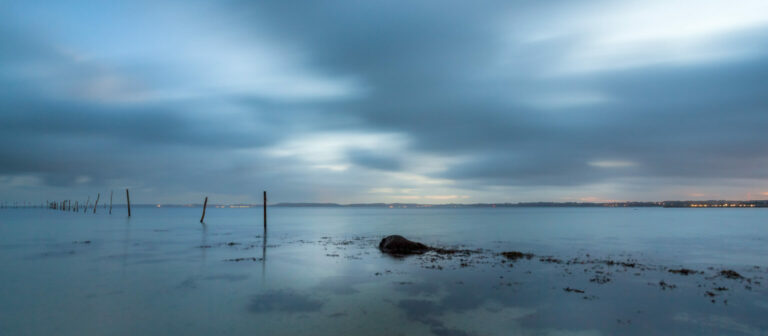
(397, 244)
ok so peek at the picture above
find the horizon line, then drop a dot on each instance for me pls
(734, 203)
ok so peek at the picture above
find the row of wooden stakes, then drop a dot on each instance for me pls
(66, 205)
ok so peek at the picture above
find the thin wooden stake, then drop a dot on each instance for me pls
(265, 211)
(205, 204)
(110, 201)
(98, 196)
(128, 198)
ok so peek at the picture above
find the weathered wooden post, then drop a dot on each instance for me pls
(110, 201)
(98, 196)
(205, 204)
(128, 199)
(265, 211)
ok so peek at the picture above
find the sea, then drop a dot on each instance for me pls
(319, 271)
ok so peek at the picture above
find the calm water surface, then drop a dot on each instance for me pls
(318, 272)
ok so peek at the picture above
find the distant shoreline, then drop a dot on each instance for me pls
(661, 204)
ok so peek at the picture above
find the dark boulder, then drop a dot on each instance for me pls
(398, 245)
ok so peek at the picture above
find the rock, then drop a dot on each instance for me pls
(665, 285)
(731, 274)
(515, 255)
(398, 245)
(683, 271)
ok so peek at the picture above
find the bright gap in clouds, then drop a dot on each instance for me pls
(620, 35)
(329, 150)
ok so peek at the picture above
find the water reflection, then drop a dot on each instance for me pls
(285, 301)
(126, 244)
(203, 242)
(264, 257)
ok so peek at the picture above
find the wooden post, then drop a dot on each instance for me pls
(87, 203)
(128, 199)
(205, 204)
(97, 202)
(110, 201)
(77, 207)
(265, 211)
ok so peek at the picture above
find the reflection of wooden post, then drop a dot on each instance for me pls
(205, 204)
(110, 201)
(265, 211)
(128, 199)
(98, 196)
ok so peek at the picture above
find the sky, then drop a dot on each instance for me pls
(384, 101)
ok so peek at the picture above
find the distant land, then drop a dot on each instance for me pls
(662, 204)
(629, 204)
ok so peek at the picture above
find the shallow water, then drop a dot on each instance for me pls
(318, 272)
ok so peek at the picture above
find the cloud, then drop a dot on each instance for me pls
(373, 160)
(497, 101)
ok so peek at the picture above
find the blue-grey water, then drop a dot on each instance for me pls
(318, 272)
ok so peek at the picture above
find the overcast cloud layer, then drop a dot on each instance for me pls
(384, 101)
